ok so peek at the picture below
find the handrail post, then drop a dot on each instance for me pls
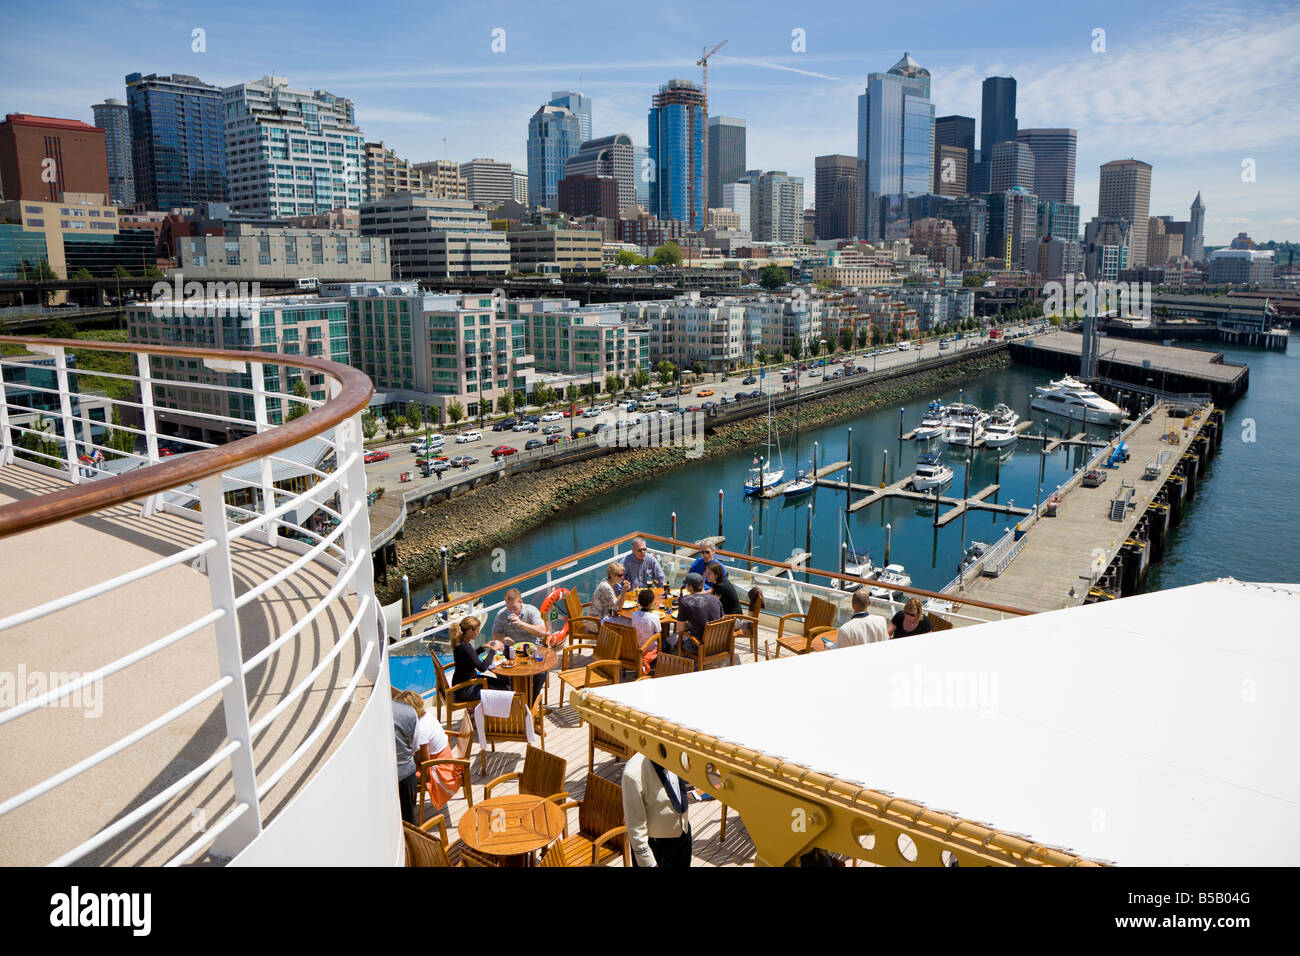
(6, 439)
(65, 412)
(356, 536)
(271, 532)
(230, 660)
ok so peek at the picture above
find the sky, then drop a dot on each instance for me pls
(1205, 92)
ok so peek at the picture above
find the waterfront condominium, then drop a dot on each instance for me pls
(488, 182)
(436, 349)
(687, 332)
(587, 342)
(726, 154)
(436, 238)
(608, 156)
(777, 207)
(554, 134)
(1125, 193)
(836, 195)
(676, 127)
(114, 119)
(895, 143)
(1054, 152)
(178, 141)
(291, 152)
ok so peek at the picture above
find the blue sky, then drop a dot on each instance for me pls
(1195, 89)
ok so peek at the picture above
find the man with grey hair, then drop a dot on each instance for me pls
(642, 568)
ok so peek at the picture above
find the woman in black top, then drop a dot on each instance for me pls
(469, 661)
(716, 575)
(910, 620)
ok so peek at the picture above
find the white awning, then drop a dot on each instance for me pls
(1157, 730)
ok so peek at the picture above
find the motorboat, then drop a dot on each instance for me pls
(998, 435)
(803, 484)
(932, 423)
(1003, 414)
(858, 564)
(889, 581)
(930, 473)
(974, 552)
(964, 424)
(1069, 398)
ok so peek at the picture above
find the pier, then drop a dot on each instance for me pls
(1100, 541)
(900, 489)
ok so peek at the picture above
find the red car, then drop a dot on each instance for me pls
(567, 413)
(502, 451)
(374, 456)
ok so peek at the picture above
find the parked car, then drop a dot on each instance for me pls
(370, 456)
(789, 377)
(590, 412)
(468, 437)
(749, 380)
(460, 461)
(438, 464)
(670, 393)
(504, 425)
(1094, 478)
(552, 417)
(423, 444)
(532, 419)
(726, 400)
(526, 427)
(552, 429)
(533, 443)
(554, 439)
(501, 451)
(815, 373)
(704, 393)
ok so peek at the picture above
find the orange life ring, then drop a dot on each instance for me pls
(557, 638)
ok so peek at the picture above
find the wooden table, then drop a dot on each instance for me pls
(512, 825)
(524, 669)
(663, 604)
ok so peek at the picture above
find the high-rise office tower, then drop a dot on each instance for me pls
(1012, 165)
(678, 187)
(836, 195)
(777, 207)
(43, 156)
(956, 131)
(997, 125)
(950, 171)
(291, 152)
(579, 106)
(1125, 193)
(114, 119)
(1194, 237)
(488, 182)
(607, 156)
(1013, 228)
(1054, 151)
(726, 154)
(641, 175)
(554, 134)
(178, 140)
(895, 143)
(521, 186)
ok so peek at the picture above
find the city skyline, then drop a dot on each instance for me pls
(1196, 132)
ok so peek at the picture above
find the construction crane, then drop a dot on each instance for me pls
(703, 63)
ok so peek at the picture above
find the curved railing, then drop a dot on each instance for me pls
(285, 580)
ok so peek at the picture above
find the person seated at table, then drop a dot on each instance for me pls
(695, 611)
(910, 620)
(648, 625)
(715, 579)
(432, 743)
(862, 628)
(470, 662)
(518, 622)
(642, 567)
(708, 555)
(608, 596)
(404, 722)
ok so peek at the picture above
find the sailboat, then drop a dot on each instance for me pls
(763, 475)
(804, 482)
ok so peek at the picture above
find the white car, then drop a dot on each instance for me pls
(904, 346)
(590, 412)
(468, 437)
(650, 397)
(552, 417)
(435, 441)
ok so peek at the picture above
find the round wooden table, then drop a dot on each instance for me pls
(523, 670)
(511, 825)
(663, 604)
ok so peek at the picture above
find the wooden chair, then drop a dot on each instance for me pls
(425, 849)
(938, 623)
(542, 776)
(446, 693)
(426, 768)
(606, 666)
(630, 649)
(669, 665)
(746, 627)
(578, 622)
(600, 823)
(716, 645)
(513, 727)
(817, 620)
(600, 740)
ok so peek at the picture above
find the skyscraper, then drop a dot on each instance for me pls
(579, 106)
(178, 140)
(1054, 151)
(955, 132)
(641, 174)
(554, 134)
(895, 143)
(777, 207)
(488, 182)
(997, 124)
(607, 156)
(1012, 165)
(950, 171)
(291, 152)
(1013, 228)
(836, 195)
(736, 197)
(1125, 193)
(1194, 238)
(726, 155)
(678, 189)
(114, 119)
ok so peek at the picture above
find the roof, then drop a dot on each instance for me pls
(27, 119)
(1156, 730)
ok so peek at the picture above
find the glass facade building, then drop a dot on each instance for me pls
(895, 143)
(726, 155)
(554, 134)
(579, 106)
(678, 188)
(114, 119)
(1054, 160)
(178, 145)
(21, 252)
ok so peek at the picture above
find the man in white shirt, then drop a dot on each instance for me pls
(655, 804)
(862, 628)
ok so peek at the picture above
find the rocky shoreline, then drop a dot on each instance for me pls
(498, 513)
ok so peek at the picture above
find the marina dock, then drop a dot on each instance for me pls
(899, 489)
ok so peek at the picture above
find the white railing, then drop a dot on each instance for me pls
(102, 478)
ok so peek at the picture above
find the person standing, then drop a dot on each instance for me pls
(707, 556)
(404, 721)
(655, 803)
(862, 628)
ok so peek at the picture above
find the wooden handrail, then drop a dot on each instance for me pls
(79, 500)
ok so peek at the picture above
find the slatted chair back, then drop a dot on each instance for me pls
(938, 623)
(601, 809)
(512, 727)
(440, 673)
(543, 773)
(423, 849)
(669, 665)
(629, 649)
(610, 641)
(821, 613)
(573, 604)
(718, 642)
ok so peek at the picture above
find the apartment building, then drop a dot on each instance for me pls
(592, 342)
(431, 238)
(253, 252)
(687, 333)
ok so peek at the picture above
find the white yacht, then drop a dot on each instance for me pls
(889, 581)
(998, 435)
(932, 423)
(930, 473)
(1072, 399)
(966, 424)
(859, 565)
(1003, 414)
(802, 484)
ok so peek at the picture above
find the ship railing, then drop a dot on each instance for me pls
(46, 427)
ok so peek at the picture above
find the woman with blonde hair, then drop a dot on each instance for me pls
(469, 662)
(431, 743)
(608, 596)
